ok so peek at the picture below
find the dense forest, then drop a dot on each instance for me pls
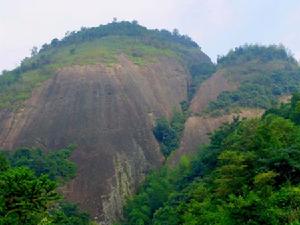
(262, 53)
(248, 174)
(262, 74)
(29, 182)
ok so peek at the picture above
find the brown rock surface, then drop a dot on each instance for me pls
(108, 112)
(197, 129)
(210, 90)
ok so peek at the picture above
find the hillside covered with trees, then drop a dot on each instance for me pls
(261, 74)
(248, 174)
(29, 182)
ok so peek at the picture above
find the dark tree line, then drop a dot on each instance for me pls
(29, 179)
(249, 174)
(124, 28)
(258, 52)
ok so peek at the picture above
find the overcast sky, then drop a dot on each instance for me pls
(216, 25)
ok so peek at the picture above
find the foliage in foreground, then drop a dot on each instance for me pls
(29, 179)
(249, 174)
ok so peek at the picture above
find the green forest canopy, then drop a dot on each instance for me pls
(248, 174)
(168, 134)
(262, 74)
(29, 179)
(250, 52)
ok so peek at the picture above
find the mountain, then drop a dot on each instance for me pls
(238, 160)
(102, 89)
(248, 80)
(132, 100)
(248, 174)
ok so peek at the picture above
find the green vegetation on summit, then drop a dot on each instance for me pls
(248, 174)
(102, 83)
(102, 44)
(262, 74)
(247, 53)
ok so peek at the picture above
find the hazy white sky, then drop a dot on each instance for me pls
(216, 25)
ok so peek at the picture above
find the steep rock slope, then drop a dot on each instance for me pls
(108, 113)
(210, 90)
(248, 81)
(200, 125)
(198, 128)
(249, 172)
(103, 92)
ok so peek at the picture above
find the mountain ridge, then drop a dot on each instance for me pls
(106, 104)
(105, 88)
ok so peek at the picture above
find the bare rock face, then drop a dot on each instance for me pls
(108, 112)
(198, 127)
(210, 90)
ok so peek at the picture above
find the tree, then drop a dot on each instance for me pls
(249, 174)
(135, 22)
(4, 72)
(55, 41)
(176, 32)
(55, 164)
(68, 214)
(4, 164)
(67, 33)
(28, 182)
(166, 135)
(24, 197)
(72, 51)
(34, 51)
